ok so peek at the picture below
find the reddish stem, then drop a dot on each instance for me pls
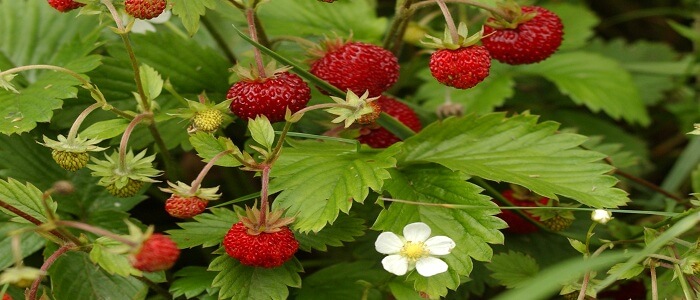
(47, 264)
(98, 231)
(29, 218)
(250, 18)
(264, 193)
(125, 139)
(198, 181)
(450, 22)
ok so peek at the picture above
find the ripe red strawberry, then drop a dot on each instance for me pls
(516, 224)
(269, 96)
(265, 249)
(185, 207)
(356, 66)
(157, 253)
(537, 35)
(64, 6)
(144, 9)
(6, 297)
(461, 68)
(378, 137)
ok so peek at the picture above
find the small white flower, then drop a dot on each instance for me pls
(601, 216)
(414, 250)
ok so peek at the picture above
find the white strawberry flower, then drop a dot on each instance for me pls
(601, 216)
(415, 249)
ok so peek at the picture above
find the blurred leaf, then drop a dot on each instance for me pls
(104, 253)
(513, 269)
(208, 146)
(685, 31)
(319, 179)
(191, 282)
(30, 242)
(471, 229)
(74, 276)
(403, 291)
(238, 281)
(628, 274)
(190, 11)
(579, 22)
(518, 150)
(595, 81)
(207, 229)
(344, 229)
(343, 281)
(578, 245)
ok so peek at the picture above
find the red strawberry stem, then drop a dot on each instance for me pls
(29, 218)
(264, 206)
(250, 18)
(79, 120)
(493, 10)
(45, 267)
(125, 138)
(448, 19)
(198, 181)
(98, 231)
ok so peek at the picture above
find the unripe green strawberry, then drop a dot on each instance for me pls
(208, 120)
(71, 161)
(557, 223)
(129, 190)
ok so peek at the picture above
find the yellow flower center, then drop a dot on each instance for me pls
(413, 250)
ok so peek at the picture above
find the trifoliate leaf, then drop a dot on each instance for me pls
(343, 281)
(344, 229)
(513, 269)
(518, 150)
(208, 146)
(207, 229)
(26, 198)
(191, 282)
(471, 229)
(319, 179)
(190, 11)
(629, 273)
(595, 81)
(262, 132)
(238, 281)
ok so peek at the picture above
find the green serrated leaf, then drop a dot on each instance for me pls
(262, 132)
(518, 150)
(344, 229)
(105, 129)
(238, 281)
(596, 82)
(513, 269)
(578, 245)
(471, 229)
(342, 281)
(74, 276)
(151, 81)
(319, 179)
(579, 22)
(30, 242)
(402, 291)
(629, 273)
(190, 11)
(207, 229)
(191, 282)
(111, 256)
(24, 197)
(208, 146)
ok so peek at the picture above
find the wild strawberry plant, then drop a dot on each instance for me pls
(245, 149)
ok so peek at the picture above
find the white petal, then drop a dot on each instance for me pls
(416, 232)
(388, 243)
(162, 18)
(440, 245)
(141, 26)
(430, 266)
(395, 264)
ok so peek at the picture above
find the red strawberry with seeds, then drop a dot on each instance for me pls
(534, 34)
(144, 9)
(267, 245)
(269, 96)
(355, 66)
(378, 137)
(461, 68)
(186, 202)
(64, 6)
(157, 253)
(516, 223)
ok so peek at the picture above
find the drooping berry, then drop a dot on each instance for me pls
(356, 66)
(534, 35)
(378, 137)
(131, 188)
(265, 249)
(461, 68)
(157, 253)
(185, 208)
(269, 96)
(65, 5)
(144, 9)
(71, 161)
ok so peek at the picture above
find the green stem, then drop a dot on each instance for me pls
(448, 19)
(654, 286)
(98, 231)
(280, 142)
(684, 283)
(589, 235)
(125, 139)
(496, 194)
(320, 106)
(394, 37)
(79, 120)
(493, 10)
(666, 258)
(198, 181)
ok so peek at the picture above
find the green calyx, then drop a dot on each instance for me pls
(71, 155)
(512, 16)
(124, 182)
(205, 116)
(352, 108)
(253, 74)
(447, 42)
(182, 189)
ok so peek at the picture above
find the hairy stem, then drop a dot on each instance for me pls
(45, 266)
(280, 142)
(264, 205)
(29, 218)
(320, 106)
(198, 181)
(250, 18)
(125, 139)
(448, 19)
(654, 287)
(79, 120)
(98, 231)
(666, 258)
